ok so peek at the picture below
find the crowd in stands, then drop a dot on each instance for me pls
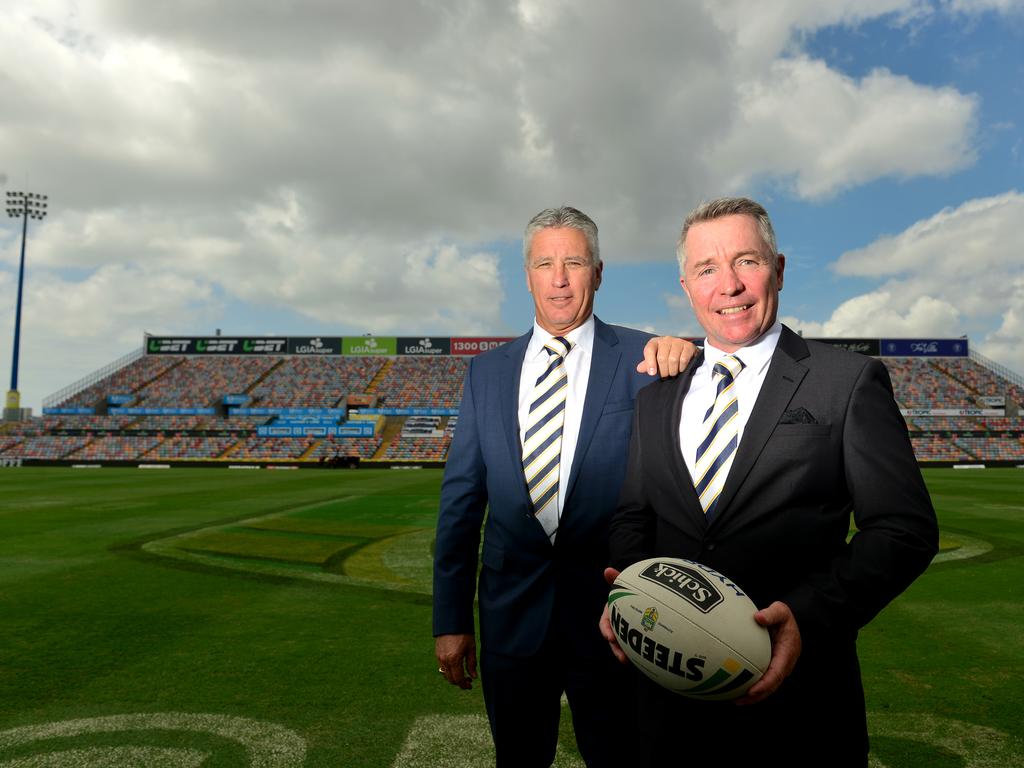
(281, 381)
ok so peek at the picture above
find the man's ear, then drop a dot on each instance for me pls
(682, 282)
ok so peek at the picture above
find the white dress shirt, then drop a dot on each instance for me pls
(577, 369)
(701, 394)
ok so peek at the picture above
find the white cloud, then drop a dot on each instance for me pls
(350, 162)
(976, 6)
(72, 327)
(761, 30)
(830, 132)
(956, 272)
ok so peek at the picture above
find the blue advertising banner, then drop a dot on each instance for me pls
(119, 399)
(68, 411)
(236, 399)
(161, 411)
(410, 411)
(924, 347)
(334, 412)
(339, 430)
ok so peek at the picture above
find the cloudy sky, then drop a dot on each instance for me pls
(348, 167)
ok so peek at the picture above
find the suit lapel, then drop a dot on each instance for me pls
(605, 358)
(508, 394)
(673, 450)
(780, 384)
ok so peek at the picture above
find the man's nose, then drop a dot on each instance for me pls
(729, 282)
(560, 275)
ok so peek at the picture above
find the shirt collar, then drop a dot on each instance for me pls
(755, 356)
(582, 336)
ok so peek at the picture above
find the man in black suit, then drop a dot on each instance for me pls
(751, 462)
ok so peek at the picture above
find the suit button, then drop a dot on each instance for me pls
(710, 546)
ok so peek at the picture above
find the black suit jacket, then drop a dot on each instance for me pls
(825, 439)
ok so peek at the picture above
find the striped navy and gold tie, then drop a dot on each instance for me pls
(542, 444)
(716, 450)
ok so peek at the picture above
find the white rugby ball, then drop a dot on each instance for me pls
(688, 628)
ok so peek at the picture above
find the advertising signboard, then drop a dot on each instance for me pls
(862, 346)
(476, 345)
(424, 345)
(314, 345)
(369, 345)
(925, 347)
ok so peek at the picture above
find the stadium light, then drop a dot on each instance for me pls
(23, 205)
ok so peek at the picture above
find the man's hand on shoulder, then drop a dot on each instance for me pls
(666, 356)
(456, 658)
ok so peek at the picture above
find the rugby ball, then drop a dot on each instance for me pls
(688, 628)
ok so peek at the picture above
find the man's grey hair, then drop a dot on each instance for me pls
(728, 206)
(563, 216)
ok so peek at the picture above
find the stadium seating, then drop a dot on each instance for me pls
(961, 387)
(919, 384)
(191, 448)
(125, 381)
(423, 382)
(992, 448)
(204, 381)
(46, 447)
(315, 382)
(331, 447)
(979, 379)
(271, 448)
(114, 448)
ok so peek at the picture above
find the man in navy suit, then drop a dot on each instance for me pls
(541, 585)
(753, 462)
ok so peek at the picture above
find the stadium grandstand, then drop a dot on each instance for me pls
(393, 401)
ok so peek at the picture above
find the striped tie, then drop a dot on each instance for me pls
(716, 450)
(542, 445)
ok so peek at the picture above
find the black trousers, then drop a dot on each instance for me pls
(524, 703)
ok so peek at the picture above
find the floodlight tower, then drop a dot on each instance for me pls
(23, 205)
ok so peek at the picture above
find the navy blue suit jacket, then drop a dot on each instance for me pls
(525, 582)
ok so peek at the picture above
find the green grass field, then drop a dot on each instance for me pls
(226, 618)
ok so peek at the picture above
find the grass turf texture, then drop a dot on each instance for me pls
(299, 601)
